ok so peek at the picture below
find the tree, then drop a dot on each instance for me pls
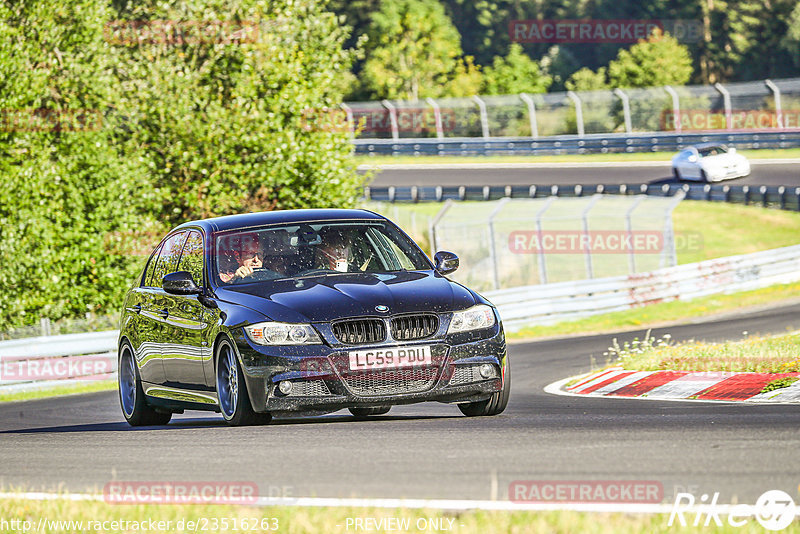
(516, 73)
(587, 80)
(413, 51)
(659, 60)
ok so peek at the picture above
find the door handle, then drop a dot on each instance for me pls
(164, 313)
(135, 309)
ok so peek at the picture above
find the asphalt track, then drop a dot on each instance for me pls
(769, 174)
(80, 443)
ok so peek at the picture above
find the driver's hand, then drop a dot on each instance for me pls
(243, 271)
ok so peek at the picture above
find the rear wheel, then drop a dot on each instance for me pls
(131, 396)
(495, 404)
(366, 412)
(232, 391)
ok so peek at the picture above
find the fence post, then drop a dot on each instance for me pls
(484, 116)
(629, 229)
(392, 118)
(626, 108)
(776, 93)
(578, 111)
(437, 117)
(531, 114)
(541, 256)
(434, 221)
(44, 322)
(726, 100)
(669, 257)
(493, 243)
(676, 107)
(585, 219)
(351, 125)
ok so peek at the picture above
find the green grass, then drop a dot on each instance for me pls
(566, 158)
(335, 520)
(779, 383)
(98, 385)
(663, 313)
(756, 354)
(730, 229)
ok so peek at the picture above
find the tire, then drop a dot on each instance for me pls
(366, 412)
(495, 404)
(234, 404)
(131, 396)
(676, 173)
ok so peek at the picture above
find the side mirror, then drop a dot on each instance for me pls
(446, 262)
(180, 283)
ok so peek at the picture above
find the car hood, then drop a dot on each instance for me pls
(330, 297)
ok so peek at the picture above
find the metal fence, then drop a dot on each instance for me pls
(521, 242)
(769, 105)
(552, 303)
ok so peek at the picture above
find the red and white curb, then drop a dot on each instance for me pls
(679, 385)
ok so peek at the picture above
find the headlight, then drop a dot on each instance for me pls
(282, 334)
(475, 318)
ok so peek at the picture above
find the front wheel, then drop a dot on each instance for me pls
(495, 404)
(131, 396)
(232, 391)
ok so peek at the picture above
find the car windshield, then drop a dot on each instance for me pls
(712, 150)
(307, 249)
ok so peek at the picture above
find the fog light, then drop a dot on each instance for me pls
(285, 387)
(487, 370)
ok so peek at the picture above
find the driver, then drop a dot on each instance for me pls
(243, 257)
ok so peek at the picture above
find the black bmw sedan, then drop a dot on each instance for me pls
(304, 312)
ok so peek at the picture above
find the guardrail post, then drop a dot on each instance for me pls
(626, 108)
(726, 192)
(746, 193)
(629, 229)
(797, 197)
(587, 243)
(782, 193)
(726, 100)
(776, 94)
(578, 111)
(531, 114)
(484, 116)
(435, 221)
(392, 118)
(493, 243)
(763, 191)
(437, 117)
(540, 256)
(676, 107)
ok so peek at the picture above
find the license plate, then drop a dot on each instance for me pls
(364, 360)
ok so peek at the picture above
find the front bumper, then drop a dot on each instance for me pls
(322, 382)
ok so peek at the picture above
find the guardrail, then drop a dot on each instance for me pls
(571, 144)
(550, 303)
(782, 197)
(46, 361)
